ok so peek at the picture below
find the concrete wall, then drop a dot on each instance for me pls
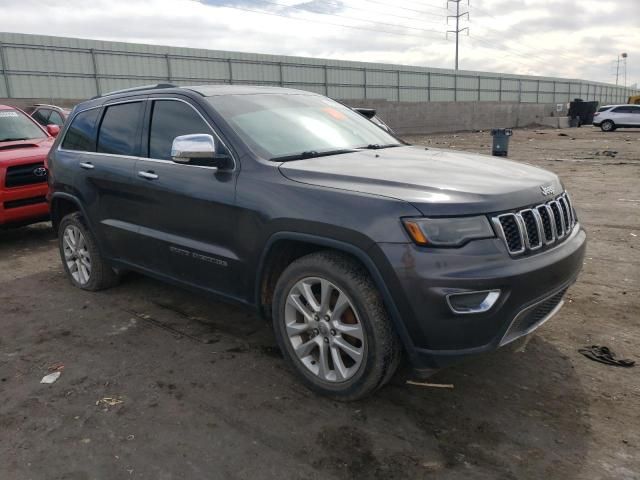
(408, 118)
(415, 118)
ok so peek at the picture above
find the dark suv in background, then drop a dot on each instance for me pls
(357, 247)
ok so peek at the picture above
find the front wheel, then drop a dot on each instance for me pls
(607, 126)
(332, 326)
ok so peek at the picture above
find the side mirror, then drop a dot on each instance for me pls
(53, 130)
(196, 146)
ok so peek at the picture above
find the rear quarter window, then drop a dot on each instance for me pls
(81, 133)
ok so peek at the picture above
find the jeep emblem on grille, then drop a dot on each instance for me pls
(547, 190)
(40, 172)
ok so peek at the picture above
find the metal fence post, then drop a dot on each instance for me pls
(538, 91)
(281, 74)
(364, 72)
(95, 71)
(554, 91)
(479, 87)
(3, 58)
(326, 80)
(398, 85)
(428, 86)
(519, 91)
(168, 67)
(455, 87)
(500, 89)
(229, 61)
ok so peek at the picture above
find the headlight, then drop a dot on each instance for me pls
(447, 232)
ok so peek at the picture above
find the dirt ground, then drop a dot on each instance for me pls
(198, 389)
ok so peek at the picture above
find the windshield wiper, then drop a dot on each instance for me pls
(311, 154)
(377, 146)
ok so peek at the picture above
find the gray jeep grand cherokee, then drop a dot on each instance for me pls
(357, 247)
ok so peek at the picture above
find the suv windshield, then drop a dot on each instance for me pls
(16, 126)
(297, 126)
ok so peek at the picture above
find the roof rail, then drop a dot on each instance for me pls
(45, 105)
(134, 89)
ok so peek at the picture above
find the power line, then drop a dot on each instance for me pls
(542, 50)
(394, 25)
(383, 13)
(410, 9)
(274, 14)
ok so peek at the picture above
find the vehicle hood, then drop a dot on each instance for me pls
(23, 151)
(435, 181)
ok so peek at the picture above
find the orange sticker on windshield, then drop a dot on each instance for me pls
(334, 113)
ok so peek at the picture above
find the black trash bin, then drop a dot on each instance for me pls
(500, 146)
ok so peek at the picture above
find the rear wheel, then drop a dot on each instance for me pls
(80, 255)
(607, 126)
(331, 324)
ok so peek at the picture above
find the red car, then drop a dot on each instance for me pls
(24, 146)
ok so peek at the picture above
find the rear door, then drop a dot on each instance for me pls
(187, 210)
(104, 177)
(634, 118)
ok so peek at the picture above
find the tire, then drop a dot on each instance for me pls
(607, 126)
(361, 326)
(83, 262)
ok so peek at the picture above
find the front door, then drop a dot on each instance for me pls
(187, 210)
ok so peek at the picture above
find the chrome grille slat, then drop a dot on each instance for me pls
(541, 225)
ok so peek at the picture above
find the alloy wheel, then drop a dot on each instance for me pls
(76, 254)
(324, 330)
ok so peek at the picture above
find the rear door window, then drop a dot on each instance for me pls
(622, 110)
(81, 133)
(119, 130)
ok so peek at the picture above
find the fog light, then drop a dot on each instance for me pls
(472, 302)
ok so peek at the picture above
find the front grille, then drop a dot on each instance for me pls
(21, 175)
(527, 320)
(512, 234)
(532, 228)
(23, 202)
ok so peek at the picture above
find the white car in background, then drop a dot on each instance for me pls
(610, 117)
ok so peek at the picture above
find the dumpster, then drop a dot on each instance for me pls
(500, 146)
(581, 112)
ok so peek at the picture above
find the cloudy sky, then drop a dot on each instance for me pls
(566, 38)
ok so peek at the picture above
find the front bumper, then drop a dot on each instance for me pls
(23, 205)
(419, 280)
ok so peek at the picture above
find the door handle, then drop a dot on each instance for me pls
(148, 175)
(87, 165)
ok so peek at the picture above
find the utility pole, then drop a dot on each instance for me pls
(624, 56)
(617, 69)
(457, 31)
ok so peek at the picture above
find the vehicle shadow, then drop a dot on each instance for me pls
(509, 415)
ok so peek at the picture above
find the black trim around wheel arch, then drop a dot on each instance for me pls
(357, 252)
(71, 198)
